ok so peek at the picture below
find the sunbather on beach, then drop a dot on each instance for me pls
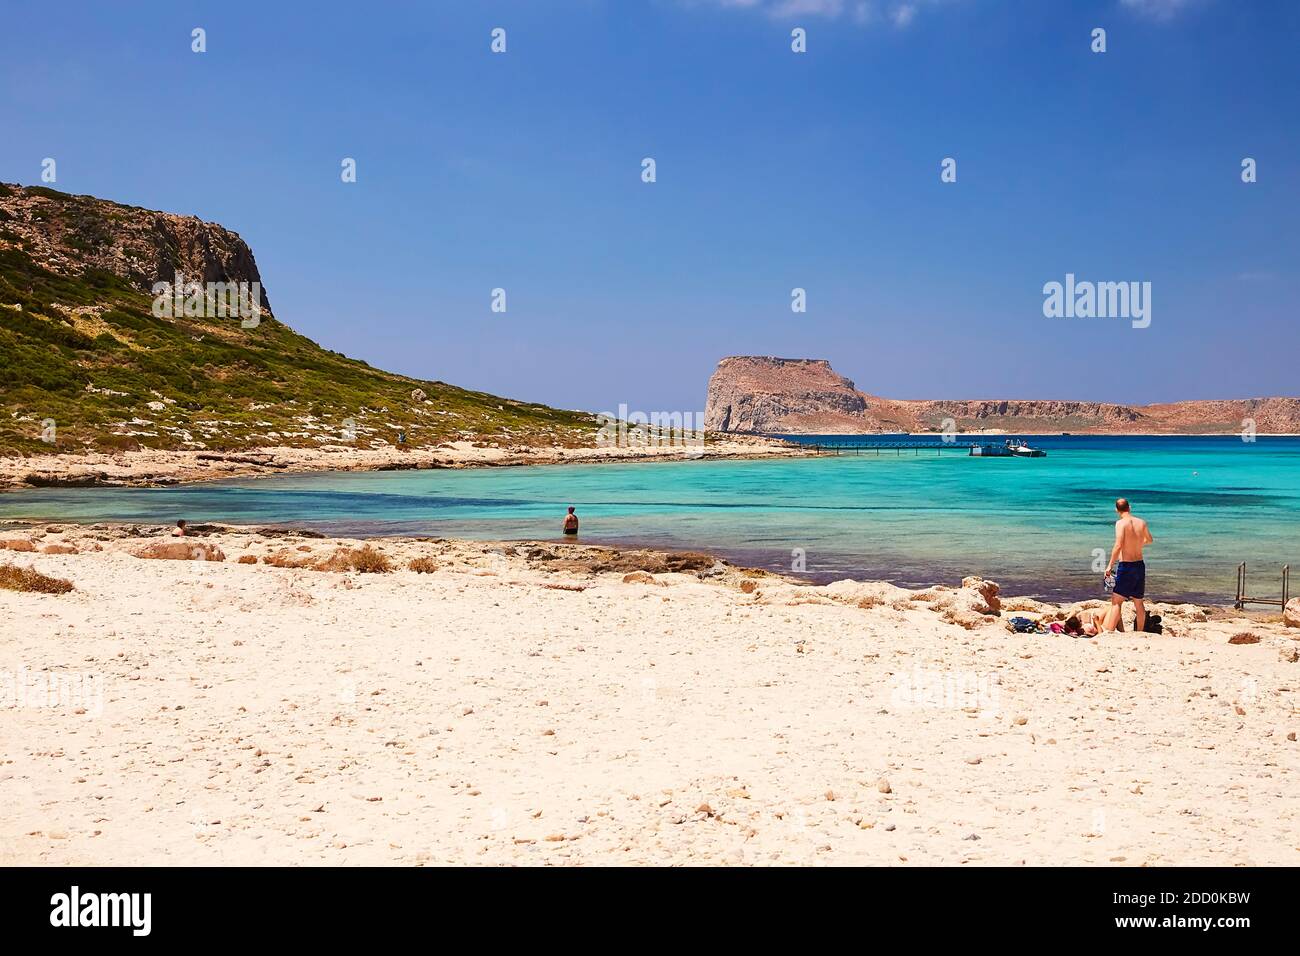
(179, 530)
(1090, 622)
(1131, 535)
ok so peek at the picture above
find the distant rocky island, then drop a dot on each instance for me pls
(765, 395)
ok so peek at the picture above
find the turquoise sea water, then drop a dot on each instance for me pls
(914, 519)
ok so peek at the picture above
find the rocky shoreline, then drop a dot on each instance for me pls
(976, 603)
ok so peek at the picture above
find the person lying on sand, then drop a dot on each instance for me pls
(179, 530)
(1089, 623)
(1131, 535)
(570, 522)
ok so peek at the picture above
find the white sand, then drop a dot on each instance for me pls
(259, 715)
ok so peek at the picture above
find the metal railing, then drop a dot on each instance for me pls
(1243, 598)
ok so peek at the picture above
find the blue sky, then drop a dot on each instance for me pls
(775, 170)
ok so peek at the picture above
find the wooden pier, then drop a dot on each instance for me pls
(965, 447)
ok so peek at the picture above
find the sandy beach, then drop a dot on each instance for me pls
(167, 467)
(545, 703)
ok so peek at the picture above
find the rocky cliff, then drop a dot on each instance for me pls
(68, 234)
(761, 394)
(750, 394)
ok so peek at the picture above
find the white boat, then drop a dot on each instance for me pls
(1023, 450)
(1009, 448)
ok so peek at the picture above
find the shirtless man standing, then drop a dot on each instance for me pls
(1131, 535)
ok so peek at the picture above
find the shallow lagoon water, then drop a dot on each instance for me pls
(911, 518)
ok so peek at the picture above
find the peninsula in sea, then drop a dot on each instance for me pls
(767, 395)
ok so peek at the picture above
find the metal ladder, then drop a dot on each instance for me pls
(1243, 598)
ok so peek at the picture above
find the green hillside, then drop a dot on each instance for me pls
(81, 347)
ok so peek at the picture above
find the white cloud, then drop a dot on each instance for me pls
(903, 14)
(780, 9)
(897, 13)
(1158, 9)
